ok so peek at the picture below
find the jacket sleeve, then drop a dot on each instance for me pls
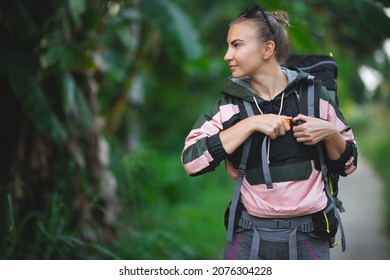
(347, 163)
(203, 150)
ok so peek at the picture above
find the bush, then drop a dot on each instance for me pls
(166, 214)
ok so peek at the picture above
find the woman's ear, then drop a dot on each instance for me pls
(269, 49)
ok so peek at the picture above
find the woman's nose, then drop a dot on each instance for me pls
(228, 55)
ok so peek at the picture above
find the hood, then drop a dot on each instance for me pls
(241, 88)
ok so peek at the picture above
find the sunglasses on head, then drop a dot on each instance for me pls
(252, 13)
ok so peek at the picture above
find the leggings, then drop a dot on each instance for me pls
(309, 248)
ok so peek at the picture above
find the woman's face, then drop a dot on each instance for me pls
(245, 51)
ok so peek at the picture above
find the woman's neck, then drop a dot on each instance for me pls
(270, 83)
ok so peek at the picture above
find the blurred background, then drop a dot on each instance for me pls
(97, 97)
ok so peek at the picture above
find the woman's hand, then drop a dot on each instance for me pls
(271, 125)
(314, 130)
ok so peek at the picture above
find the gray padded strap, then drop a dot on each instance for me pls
(264, 163)
(292, 245)
(255, 245)
(236, 197)
(240, 179)
(310, 96)
(343, 242)
(332, 94)
(311, 113)
(324, 170)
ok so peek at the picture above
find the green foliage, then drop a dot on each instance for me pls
(164, 218)
(75, 105)
(179, 36)
(30, 93)
(51, 232)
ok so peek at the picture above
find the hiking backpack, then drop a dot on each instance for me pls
(323, 71)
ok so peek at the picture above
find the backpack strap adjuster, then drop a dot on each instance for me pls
(283, 224)
(245, 223)
(307, 227)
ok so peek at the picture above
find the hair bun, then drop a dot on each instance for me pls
(282, 17)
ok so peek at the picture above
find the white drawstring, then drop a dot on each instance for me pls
(281, 104)
(257, 105)
(261, 112)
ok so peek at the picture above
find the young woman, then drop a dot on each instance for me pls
(257, 46)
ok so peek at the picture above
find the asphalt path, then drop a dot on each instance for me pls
(363, 199)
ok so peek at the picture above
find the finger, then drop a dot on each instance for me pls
(301, 137)
(298, 129)
(301, 118)
(282, 127)
(274, 132)
(287, 124)
(272, 136)
(303, 140)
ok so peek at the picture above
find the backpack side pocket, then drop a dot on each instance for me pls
(325, 222)
(239, 209)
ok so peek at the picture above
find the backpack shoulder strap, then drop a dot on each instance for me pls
(309, 104)
(309, 100)
(309, 97)
(334, 200)
(240, 178)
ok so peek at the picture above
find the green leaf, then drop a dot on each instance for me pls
(76, 106)
(180, 38)
(76, 9)
(70, 57)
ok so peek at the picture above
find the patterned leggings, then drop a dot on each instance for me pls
(309, 248)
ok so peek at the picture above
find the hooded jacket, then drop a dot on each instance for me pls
(297, 185)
